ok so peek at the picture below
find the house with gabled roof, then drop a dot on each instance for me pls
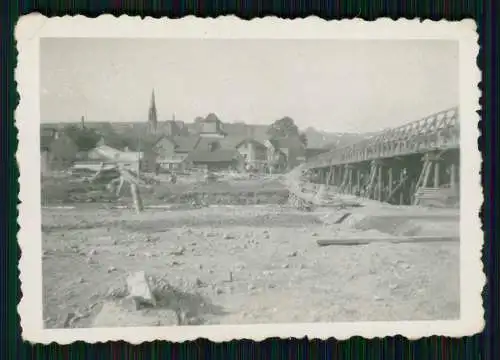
(57, 150)
(216, 159)
(286, 152)
(211, 127)
(171, 151)
(253, 152)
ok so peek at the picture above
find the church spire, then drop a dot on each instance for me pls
(152, 115)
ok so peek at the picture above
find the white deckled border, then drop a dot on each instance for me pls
(31, 28)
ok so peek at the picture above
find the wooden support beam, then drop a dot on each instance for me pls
(329, 178)
(389, 187)
(136, 196)
(427, 172)
(388, 239)
(397, 188)
(453, 177)
(350, 185)
(371, 183)
(358, 181)
(436, 173)
(402, 178)
(379, 183)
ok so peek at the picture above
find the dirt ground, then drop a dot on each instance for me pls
(247, 264)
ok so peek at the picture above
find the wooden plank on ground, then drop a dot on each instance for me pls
(394, 240)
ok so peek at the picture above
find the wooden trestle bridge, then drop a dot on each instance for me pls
(413, 164)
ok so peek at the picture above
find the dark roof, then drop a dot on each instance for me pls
(212, 118)
(287, 143)
(185, 143)
(47, 136)
(255, 142)
(231, 141)
(310, 152)
(182, 143)
(45, 142)
(221, 155)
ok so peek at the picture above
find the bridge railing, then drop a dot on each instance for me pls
(438, 131)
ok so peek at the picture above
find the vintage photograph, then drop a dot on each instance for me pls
(221, 181)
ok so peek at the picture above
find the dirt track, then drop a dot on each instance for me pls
(248, 264)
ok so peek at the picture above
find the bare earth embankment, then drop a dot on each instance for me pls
(245, 264)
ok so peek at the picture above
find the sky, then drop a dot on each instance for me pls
(331, 85)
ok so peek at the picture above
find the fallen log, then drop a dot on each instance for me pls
(393, 240)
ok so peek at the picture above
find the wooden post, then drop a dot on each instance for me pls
(436, 173)
(453, 177)
(401, 193)
(427, 172)
(379, 183)
(358, 181)
(136, 196)
(350, 180)
(333, 176)
(389, 187)
(119, 188)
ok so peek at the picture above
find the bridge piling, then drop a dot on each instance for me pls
(398, 166)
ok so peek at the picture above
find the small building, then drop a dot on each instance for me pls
(211, 127)
(171, 151)
(216, 159)
(57, 150)
(127, 159)
(254, 153)
(290, 149)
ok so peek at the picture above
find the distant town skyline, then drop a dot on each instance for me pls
(331, 85)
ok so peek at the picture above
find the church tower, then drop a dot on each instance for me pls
(152, 115)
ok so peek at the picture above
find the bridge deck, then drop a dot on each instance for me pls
(440, 131)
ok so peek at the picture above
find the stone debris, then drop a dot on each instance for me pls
(199, 283)
(180, 251)
(139, 289)
(251, 287)
(114, 315)
(285, 266)
(239, 267)
(229, 237)
(92, 252)
(117, 292)
(68, 319)
(111, 269)
(293, 254)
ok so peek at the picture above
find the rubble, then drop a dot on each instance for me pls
(114, 315)
(139, 289)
